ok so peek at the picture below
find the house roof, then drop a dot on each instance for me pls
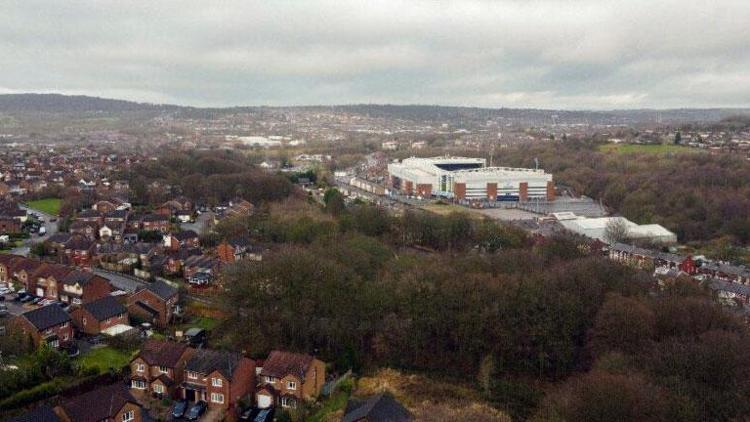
(52, 270)
(155, 217)
(81, 277)
(40, 414)
(205, 361)
(185, 235)
(46, 316)
(162, 289)
(100, 404)
(379, 408)
(59, 237)
(279, 364)
(162, 353)
(104, 308)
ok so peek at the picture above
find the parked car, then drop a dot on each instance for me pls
(28, 298)
(4, 310)
(18, 297)
(4, 290)
(36, 300)
(196, 411)
(42, 231)
(179, 409)
(2, 298)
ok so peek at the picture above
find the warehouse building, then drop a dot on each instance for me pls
(464, 178)
(596, 228)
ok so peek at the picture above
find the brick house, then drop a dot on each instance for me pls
(288, 378)
(7, 264)
(80, 287)
(22, 271)
(236, 249)
(48, 324)
(154, 303)
(155, 222)
(112, 403)
(220, 378)
(159, 368)
(79, 250)
(9, 225)
(183, 239)
(46, 281)
(95, 317)
(87, 229)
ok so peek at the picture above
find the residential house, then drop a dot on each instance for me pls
(287, 379)
(79, 287)
(43, 413)
(154, 302)
(112, 403)
(159, 367)
(7, 264)
(47, 279)
(47, 324)
(100, 315)
(155, 222)
(183, 239)
(22, 271)
(202, 264)
(218, 377)
(87, 229)
(79, 251)
(236, 249)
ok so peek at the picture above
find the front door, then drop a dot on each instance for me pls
(190, 395)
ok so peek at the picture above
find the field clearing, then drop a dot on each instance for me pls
(647, 149)
(47, 205)
(430, 399)
(447, 209)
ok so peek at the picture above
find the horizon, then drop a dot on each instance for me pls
(581, 110)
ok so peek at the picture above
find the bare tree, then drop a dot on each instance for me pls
(616, 231)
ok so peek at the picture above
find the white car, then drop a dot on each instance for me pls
(4, 290)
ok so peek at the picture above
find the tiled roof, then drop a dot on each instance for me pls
(205, 361)
(106, 307)
(279, 364)
(98, 405)
(162, 353)
(46, 316)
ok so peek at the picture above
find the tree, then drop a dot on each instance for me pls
(616, 230)
(677, 138)
(334, 201)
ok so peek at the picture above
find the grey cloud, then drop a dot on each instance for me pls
(538, 53)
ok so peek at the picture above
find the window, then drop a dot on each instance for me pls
(138, 384)
(216, 382)
(141, 367)
(65, 324)
(270, 380)
(192, 375)
(217, 398)
(128, 416)
(163, 369)
(291, 385)
(158, 388)
(288, 402)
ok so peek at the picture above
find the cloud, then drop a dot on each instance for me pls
(513, 53)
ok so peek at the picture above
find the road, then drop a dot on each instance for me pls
(51, 227)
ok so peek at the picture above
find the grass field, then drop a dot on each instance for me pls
(647, 149)
(446, 209)
(48, 205)
(105, 358)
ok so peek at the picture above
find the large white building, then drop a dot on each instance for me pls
(596, 228)
(469, 178)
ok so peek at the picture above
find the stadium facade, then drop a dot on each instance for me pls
(462, 178)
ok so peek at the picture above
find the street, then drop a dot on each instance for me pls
(51, 227)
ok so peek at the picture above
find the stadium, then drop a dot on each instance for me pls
(462, 178)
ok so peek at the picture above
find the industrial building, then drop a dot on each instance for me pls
(596, 228)
(462, 178)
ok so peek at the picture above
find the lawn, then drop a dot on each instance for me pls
(48, 205)
(647, 149)
(332, 405)
(104, 358)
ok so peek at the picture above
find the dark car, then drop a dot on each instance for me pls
(19, 297)
(28, 298)
(196, 411)
(179, 409)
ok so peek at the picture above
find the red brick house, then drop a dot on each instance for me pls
(155, 222)
(236, 249)
(80, 251)
(155, 303)
(7, 264)
(80, 287)
(48, 324)
(47, 279)
(287, 379)
(96, 317)
(112, 403)
(220, 378)
(22, 271)
(159, 368)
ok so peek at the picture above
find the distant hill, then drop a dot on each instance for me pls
(57, 103)
(69, 104)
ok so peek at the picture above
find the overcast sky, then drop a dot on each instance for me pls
(593, 54)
